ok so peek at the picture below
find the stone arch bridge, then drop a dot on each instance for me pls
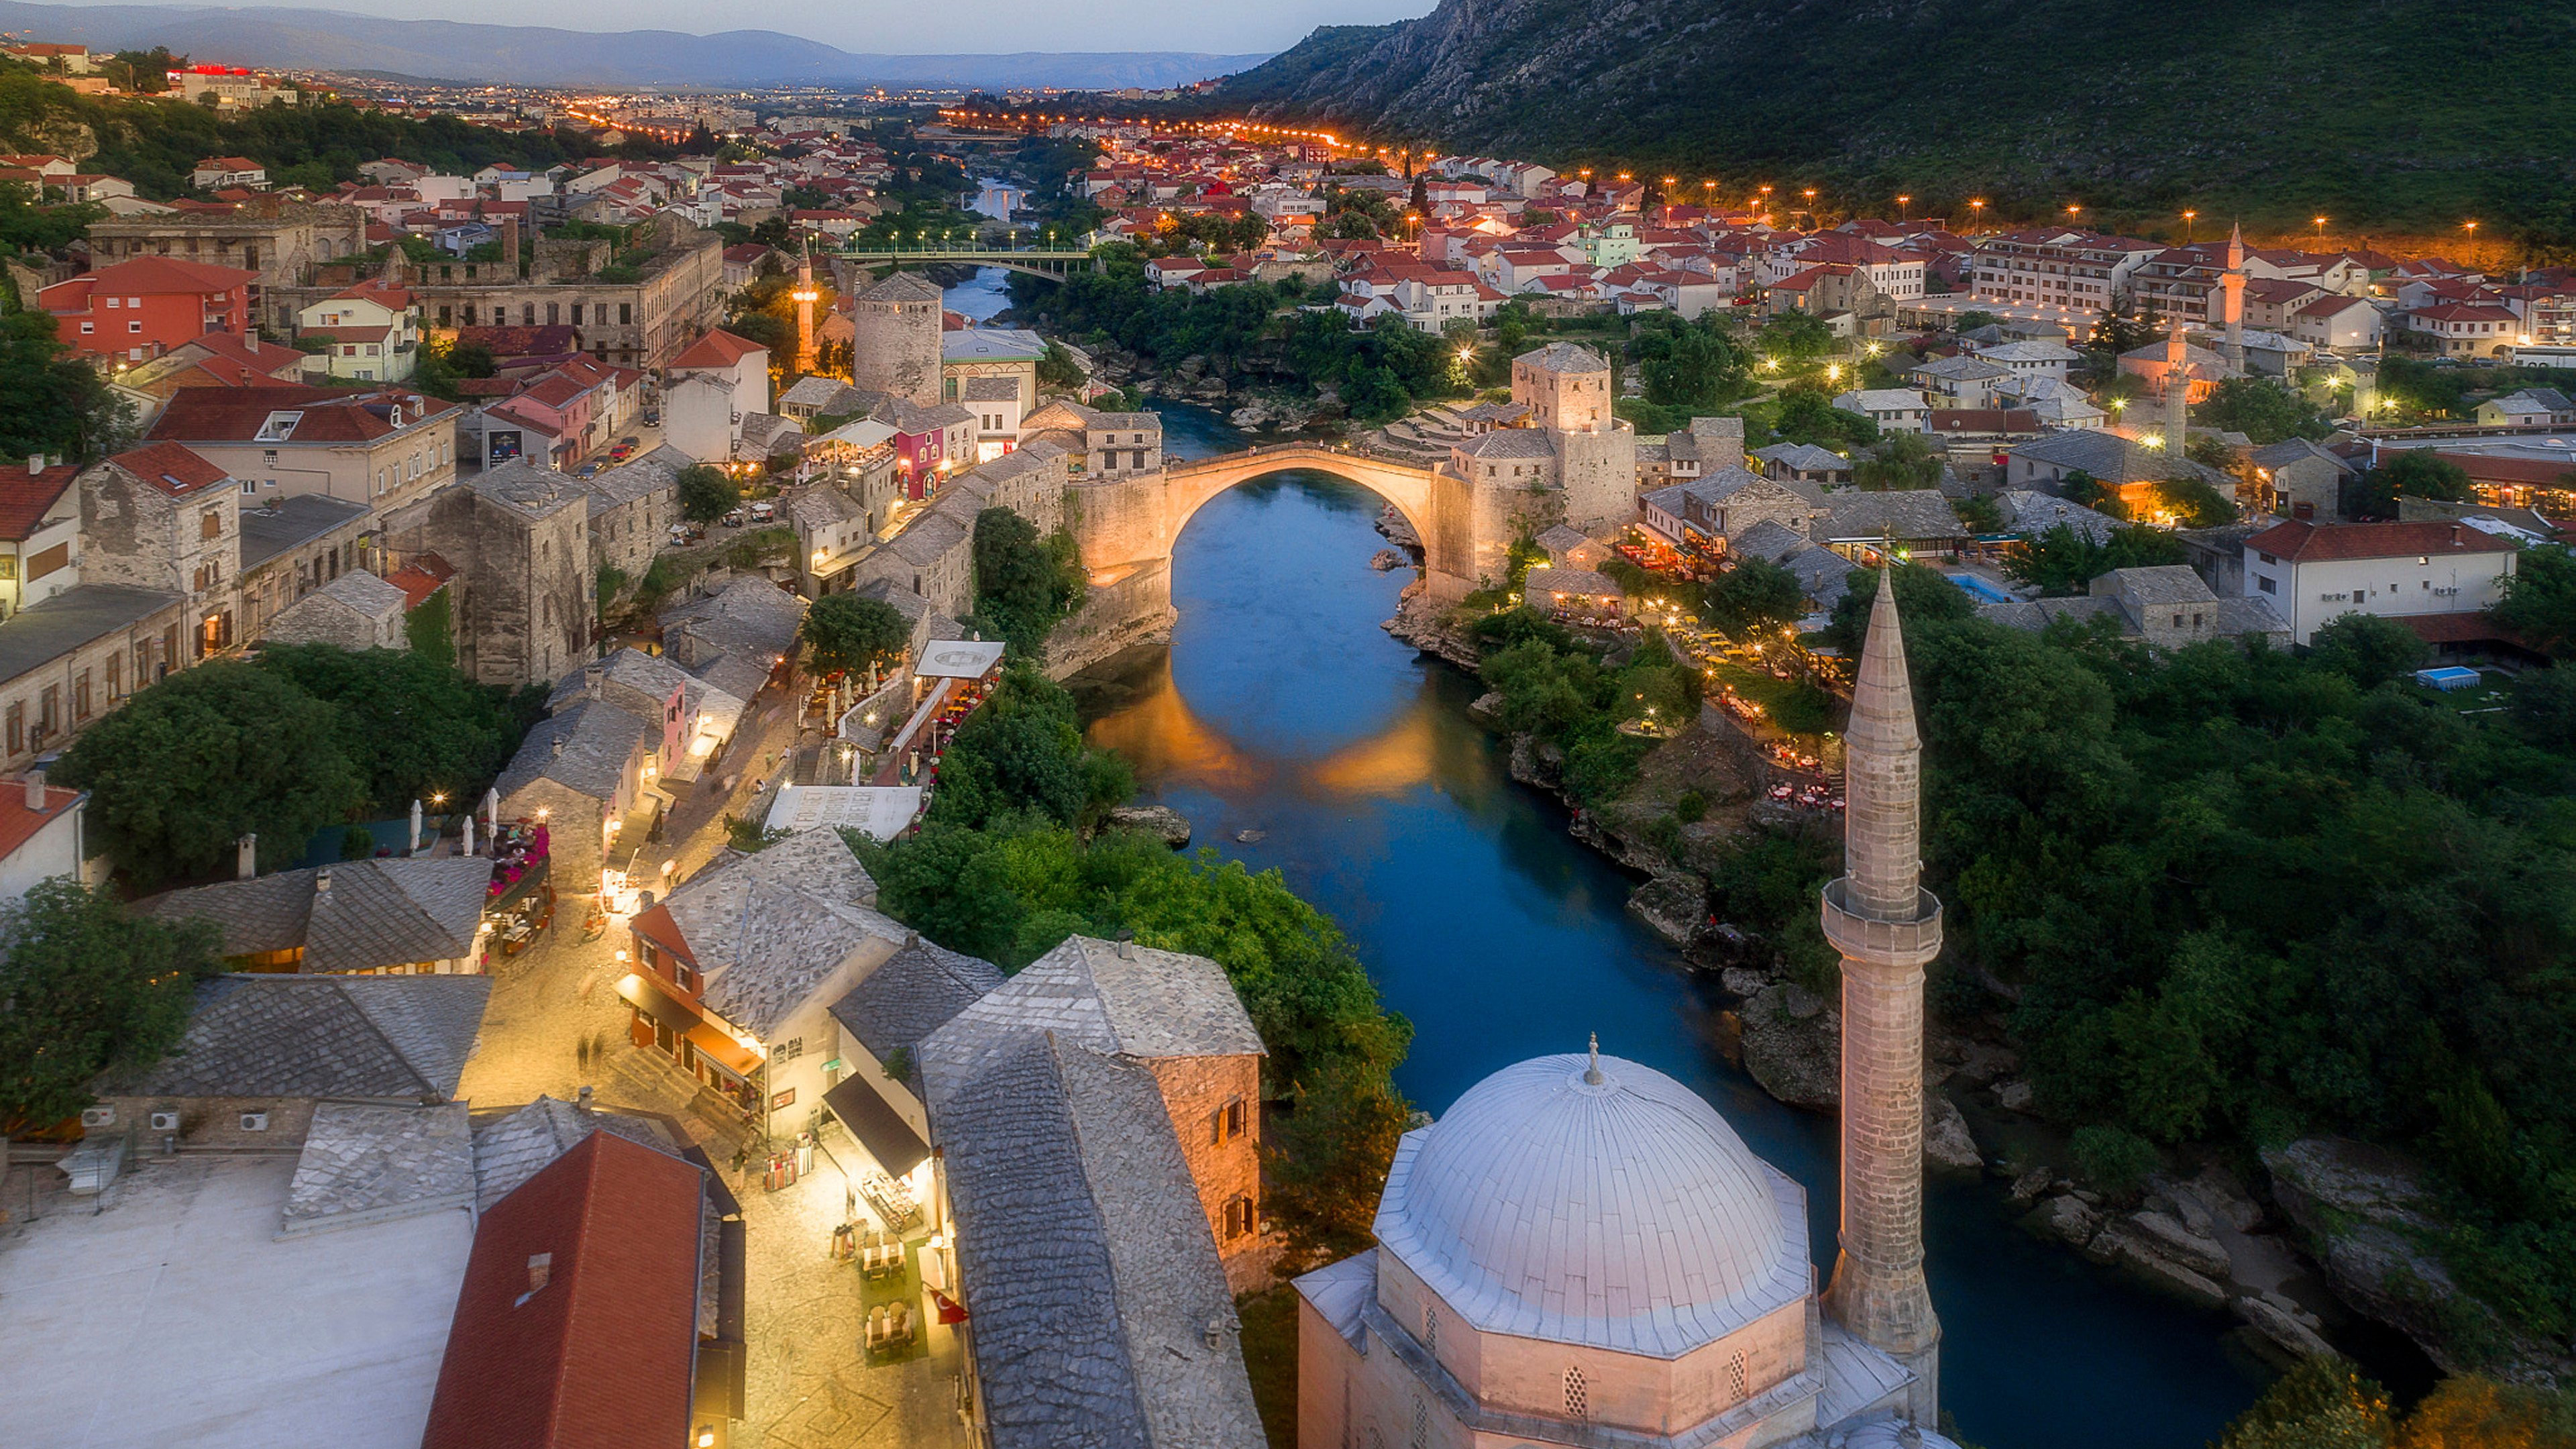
(1052, 263)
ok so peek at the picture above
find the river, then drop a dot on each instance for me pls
(1282, 708)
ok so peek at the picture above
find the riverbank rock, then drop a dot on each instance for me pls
(2167, 1237)
(1674, 907)
(1487, 709)
(2066, 1220)
(2284, 1331)
(1392, 525)
(1984, 1062)
(2121, 1244)
(1425, 625)
(1797, 1061)
(2013, 1096)
(1387, 560)
(1946, 1139)
(1743, 981)
(1160, 821)
(1250, 837)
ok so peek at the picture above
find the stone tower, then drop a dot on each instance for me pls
(804, 296)
(894, 342)
(1888, 928)
(2177, 390)
(2232, 304)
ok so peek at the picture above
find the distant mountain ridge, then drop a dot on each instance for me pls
(2406, 114)
(297, 39)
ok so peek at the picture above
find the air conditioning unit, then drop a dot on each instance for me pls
(93, 1118)
(165, 1121)
(254, 1121)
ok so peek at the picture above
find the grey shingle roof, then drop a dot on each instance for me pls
(903, 287)
(376, 912)
(1805, 457)
(643, 474)
(1769, 539)
(400, 1037)
(364, 592)
(990, 389)
(1564, 357)
(1907, 513)
(285, 521)
(991, 344)
(2035, 614)
(768, 927)
(44, 632)
(2293, 450)
(1151, 1004)
(748, 616)
(2027, 512)
(365, 1162)
(911, 994)
(1087, 1256)
(598, 739)
(1508, 443)
(528, 490)
(517, 1147)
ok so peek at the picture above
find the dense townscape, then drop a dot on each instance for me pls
(558, 891)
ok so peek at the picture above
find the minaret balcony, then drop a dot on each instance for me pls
(1885, 943)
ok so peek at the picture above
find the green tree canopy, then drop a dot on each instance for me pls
(2367, 649)
(1901, 460)
(2196, 501)
(2262, 409)
(707, 493)
(2413, 473)
(846, 634)
(1805, 414)
(87, 987)
(2059, 562)
(1755, 595)
(204, 757)
(2539, 601)
(1922, 593)
(1024, 585)
(413, 728)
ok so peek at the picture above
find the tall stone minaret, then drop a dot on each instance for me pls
(2232, 300)
(1887, 928)
(2177, 389)
(804, 296)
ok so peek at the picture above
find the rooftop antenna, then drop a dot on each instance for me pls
(1592, 1074)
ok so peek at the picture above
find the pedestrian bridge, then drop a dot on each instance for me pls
(1130, 524)
(1052, 263)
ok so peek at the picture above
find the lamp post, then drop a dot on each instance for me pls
(1904, 203)
(2187, 218)
(1976, 213)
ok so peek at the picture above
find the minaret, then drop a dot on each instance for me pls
(804, 296)
(1887, 928)
(2232, 304)
(2177, 390)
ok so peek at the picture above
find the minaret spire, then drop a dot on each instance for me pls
(804, 297)
(2177, 390)
(1887, 928)
(2232, 300)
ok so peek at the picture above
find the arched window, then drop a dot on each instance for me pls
(1578, 1401)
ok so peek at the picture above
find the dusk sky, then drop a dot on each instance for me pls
(958, 26)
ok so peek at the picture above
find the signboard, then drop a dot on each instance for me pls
(500, 446)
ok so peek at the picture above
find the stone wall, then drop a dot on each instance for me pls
(1197, 1091)
(322, 619)
(894, 348)
(1599, 474)
(214, 1121)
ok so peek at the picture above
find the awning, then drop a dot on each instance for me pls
(880, 1129)
(661, 1008)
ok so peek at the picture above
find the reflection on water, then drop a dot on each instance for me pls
(1282, 709)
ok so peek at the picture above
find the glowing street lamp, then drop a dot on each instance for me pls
(1903, 204)
(2187, 218)
(1976, 212)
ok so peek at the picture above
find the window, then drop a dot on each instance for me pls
(49, 709)
(1226, 1122)
(1578, 1399)
(625, 313)
(17, 725)
(1240, 1218)
(80, 695)
(1431, 1327)
(210, 524)
(133, 327)
(2266, 585)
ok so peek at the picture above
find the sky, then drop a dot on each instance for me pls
(1220, 27)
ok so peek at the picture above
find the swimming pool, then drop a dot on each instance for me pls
(1984, 593)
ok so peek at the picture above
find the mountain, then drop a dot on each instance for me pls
(2405, 115)
(292, 39)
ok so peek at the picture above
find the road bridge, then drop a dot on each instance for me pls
(1052, 263)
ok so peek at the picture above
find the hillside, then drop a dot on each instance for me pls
(300, 39)
(2387, 115)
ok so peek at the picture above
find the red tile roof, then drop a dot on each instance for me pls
(717, 349)
(171, 468)
(2495, 468)
(601, 1356)
(331, 415)
(2313, 543)
(151, 276)
(18, 824)
(25, 497)
(421, 578)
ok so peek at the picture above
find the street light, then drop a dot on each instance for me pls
(1903, 204)
(2186, 226)
(1976, 213)
(2321, 231)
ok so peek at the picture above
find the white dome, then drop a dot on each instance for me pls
(1623, 1214)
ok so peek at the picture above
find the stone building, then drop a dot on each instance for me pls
(72, 658)
(519, 536)
(262, 1052)
(895, 339)
(407, 916)
(632, 508)
(383, 447)
(2168, 606)
(39, 532)
(293, 544)
(1582, 1251)
(356, 611)
(1011, 354)
(709, 390)
(160, 517)
(582, 773)
(279, 239)
(641, 314)
(692, 718)
(1575, 463)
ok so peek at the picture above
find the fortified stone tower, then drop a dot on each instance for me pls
(894, 344)
(1888, 928)
(2232, 304)
(1567, 389)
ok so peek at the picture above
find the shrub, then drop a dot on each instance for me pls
(2113, 1159)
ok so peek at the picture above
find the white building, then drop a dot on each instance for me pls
(370, 332)
(2313, 575)
(709, 389)
(1894, 409)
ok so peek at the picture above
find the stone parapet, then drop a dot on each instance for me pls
(1882, 943)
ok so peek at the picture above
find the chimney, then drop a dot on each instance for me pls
(36, 789)
(35, 464)
(558, 743)
(541, 1269)
(2455, 535)
(322, 885)
(581, 1099)
(510, 244)
(1126, 945)
(246, 856)
(250, 340)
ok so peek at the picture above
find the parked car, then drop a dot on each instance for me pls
(763, 511)
(652, 417)
(587, 470)
(733, 519)
(630, 442)
(621, 452)
(683, 534)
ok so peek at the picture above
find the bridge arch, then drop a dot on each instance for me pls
(1410, 490)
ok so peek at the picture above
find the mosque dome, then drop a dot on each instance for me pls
(1611, 1207)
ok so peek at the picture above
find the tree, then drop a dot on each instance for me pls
(1689, 364)
(1754, 595)
(410, 726)
(1024, 585)
(707, 493)
(2060, 562)
(2321, 1404)
(2413, 473)
(2195, 500)
(57, 404)
(205, 757)
(2117, 331)
(2539, 601)
(1796, 336)
(87, 987)
(1923, 596)
(1806, 415)
(2084, 490)
(142, 72)
(846, 634)
(1900, 461)
(2263, 410)
(2367, 649)
(1059, 368)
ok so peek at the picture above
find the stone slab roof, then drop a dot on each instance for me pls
(989, 389)
(517, 1147)
(1087, 1256)
(1150, 1003)
(2029, 513)
(637, 477)
(286, 521)
(390, 1037)
(373, 913)
(1564, 357)
(768, 927)
(598, 739)
(1910, 513)
(528, 490)
(752, 617)
(1805, 457)
(363, 592)
(1507, 443)
(1571, 581)
(913, 993)
(365, 1163)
